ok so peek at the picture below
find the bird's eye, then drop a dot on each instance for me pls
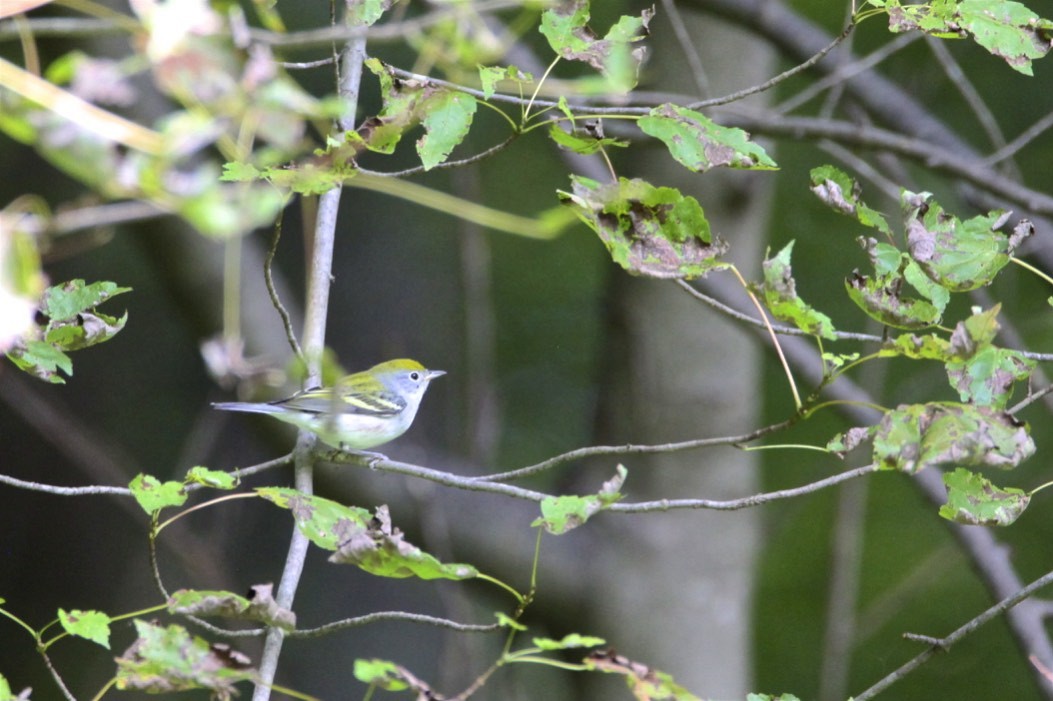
(414, 376)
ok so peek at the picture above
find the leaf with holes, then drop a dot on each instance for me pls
(958, 255)
(651, 231)
(913, 437)
(698, 143)
(841, 193)
(565, 26)
(974, 501)
(1005, 28)
(780, 294)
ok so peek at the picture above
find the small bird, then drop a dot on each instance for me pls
(361, 411)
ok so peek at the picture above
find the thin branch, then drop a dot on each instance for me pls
(64, 27)
(394, 616)
(57, 677)
(1025, 138)
(268, 279)
(929, 153)
(482, 155)
(63, 491)
(448, 479)
(945, 644)
(957, 78)
(785, 75)
(784, 330)
(687, 46)
(631, 449)
(391, 31)
(744, 502)
(303, 65)
(846, 71)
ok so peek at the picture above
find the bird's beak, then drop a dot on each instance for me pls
(432, 374)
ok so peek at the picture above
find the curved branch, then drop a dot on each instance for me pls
(477, 484)
(63, 491)
(394, 616)
(744, 502)
(630, 449)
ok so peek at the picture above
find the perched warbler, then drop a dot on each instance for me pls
(361, 411)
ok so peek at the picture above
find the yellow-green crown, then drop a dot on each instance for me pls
(399, 365)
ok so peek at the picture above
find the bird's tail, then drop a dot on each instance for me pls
(250, 407)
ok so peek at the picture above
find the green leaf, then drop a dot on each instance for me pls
(381, 674)
(1006, 29)
(957, 255)
(447, 118)
(698, 143)
(780, 697)
(928, 347)
(881, 299)
(506, 621)
(974, 501)
(309, 178)
(982, 373)
(320, 520)
(154, 495)
(780, 294)
(63, 302)
(847, 441)
(561, 514)
(445, 114)
(585, 141)
(168, 659)
(643, 681)
(84, 330)
(841, 192)
(359, 538)
(652, 231)
(260, 607)
(934, 292)
(364, 13)
(913, 437)
(41, 360)
(565, 26)
(490, 76)
(238, 172)
(886, 258)
(568, 642)
(90, 625)
(379, 548)
(215, 479)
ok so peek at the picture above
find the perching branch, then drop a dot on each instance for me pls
(319, 274)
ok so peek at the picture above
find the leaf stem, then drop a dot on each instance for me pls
(1033, 269)
(774, 337)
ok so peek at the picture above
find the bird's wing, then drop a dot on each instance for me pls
(317, 401)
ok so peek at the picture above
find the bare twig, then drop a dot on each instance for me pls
(944, 644)
(449, 479)
(785, 75)
(268, 278)
(630, 449)
(379, 616)
(744, 502)
(63, 491)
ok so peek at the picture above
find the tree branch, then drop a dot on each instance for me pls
(945, 644)
(316, 314)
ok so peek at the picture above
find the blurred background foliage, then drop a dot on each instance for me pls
(532, 334)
